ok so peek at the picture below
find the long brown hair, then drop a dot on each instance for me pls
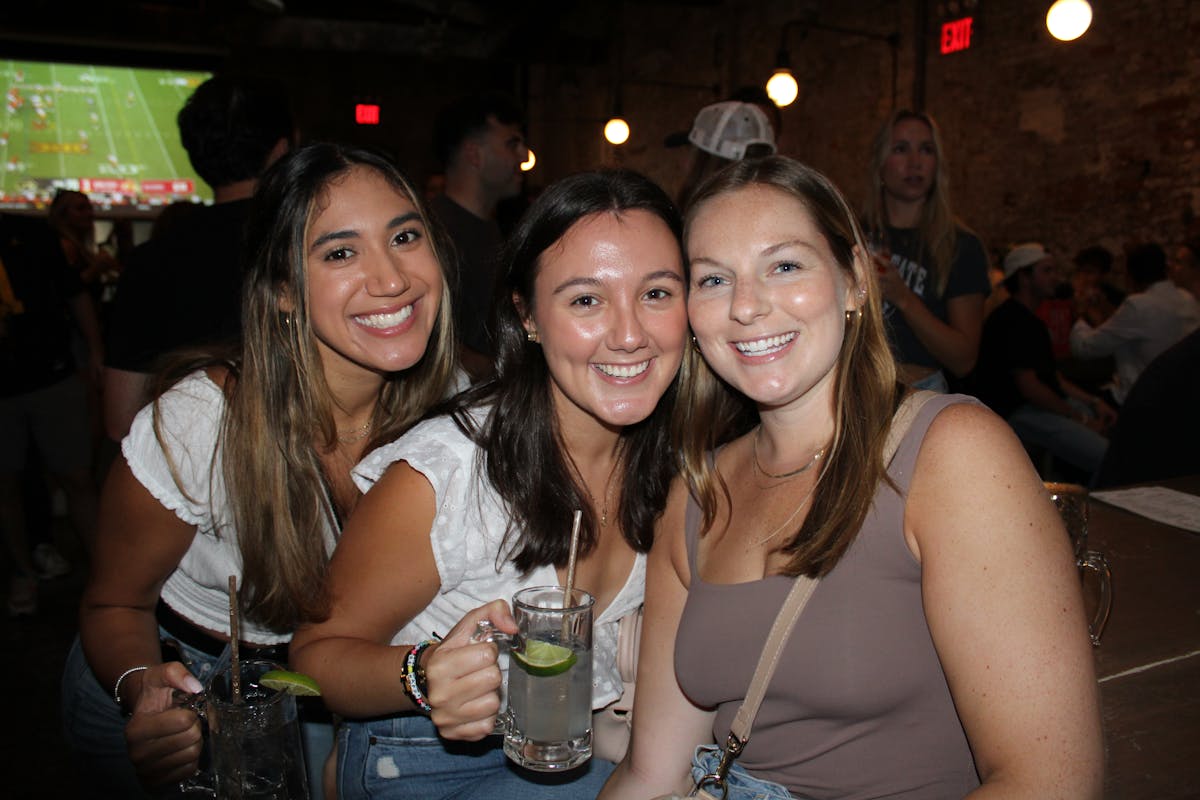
(938, 229)
(865, 395)
(278, 405)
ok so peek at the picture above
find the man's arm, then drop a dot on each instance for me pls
(1039, 394)
(1126, 325)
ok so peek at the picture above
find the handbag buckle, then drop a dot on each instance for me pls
(716, 778)
(710, 779)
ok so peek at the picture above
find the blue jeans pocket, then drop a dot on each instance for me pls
(740, 784)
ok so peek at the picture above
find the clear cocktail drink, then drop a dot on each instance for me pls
(256, 749)
(547, 724)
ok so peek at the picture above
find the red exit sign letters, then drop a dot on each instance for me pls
(366, 114)
(956, 35)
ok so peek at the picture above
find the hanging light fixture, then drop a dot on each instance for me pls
(1067, 20)
(616, 130)
(529, 161)
(782, 87)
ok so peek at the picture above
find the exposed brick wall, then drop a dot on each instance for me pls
(1069, 143)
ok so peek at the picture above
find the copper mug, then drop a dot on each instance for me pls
(1071, 500)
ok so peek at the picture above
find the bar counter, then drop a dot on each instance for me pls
(1148, 661)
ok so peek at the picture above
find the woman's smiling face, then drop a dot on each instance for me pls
(767, 300)
(374, 284)
(609, 311)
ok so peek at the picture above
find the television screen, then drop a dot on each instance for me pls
(107, 131)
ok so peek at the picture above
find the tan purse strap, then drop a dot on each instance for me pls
(803, 588)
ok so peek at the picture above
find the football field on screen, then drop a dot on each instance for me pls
(108, 131)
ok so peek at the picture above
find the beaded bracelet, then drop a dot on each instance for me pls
(414, 676)
(124, 675)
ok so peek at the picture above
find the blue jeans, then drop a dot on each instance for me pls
(1072, 441)
(739, 784)
(94, 729)
(402, 758)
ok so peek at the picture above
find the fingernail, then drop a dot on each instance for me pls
(192, 685)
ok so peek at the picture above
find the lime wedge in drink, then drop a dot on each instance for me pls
(291, 682)
(544, 659)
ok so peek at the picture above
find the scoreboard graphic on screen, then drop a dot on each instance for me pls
(107, 131)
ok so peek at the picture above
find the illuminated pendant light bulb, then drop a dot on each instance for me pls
(616, 131)
(529, 161)
(782, 87)
(1067, 20)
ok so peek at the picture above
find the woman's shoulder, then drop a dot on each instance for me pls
(195, 395)
(965, 439)
(436, 443)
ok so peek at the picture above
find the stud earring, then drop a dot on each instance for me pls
(531, 336)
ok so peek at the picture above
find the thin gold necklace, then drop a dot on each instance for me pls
(607, 489)
(758, 465)
(357, 434)
(803, 502)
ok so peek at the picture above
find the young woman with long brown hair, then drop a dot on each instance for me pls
(945, 646)
(241, 466)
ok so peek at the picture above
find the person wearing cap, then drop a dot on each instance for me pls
(1157, 315)
(1017, 375)
(931, 267)
(723, 133)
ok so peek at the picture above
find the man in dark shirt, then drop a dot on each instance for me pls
(1018, 377)
(480, 145)
(184, 288)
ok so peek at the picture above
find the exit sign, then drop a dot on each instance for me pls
(366, 114)
(956, 35)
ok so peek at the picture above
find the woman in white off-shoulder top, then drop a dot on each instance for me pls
(469, 507)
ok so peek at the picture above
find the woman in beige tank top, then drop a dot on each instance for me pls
(792, 403)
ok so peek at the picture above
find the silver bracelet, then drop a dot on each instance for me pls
(124, 675)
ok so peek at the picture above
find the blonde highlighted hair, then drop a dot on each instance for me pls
(279, 408)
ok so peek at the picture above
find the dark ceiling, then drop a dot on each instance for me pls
(545, 31)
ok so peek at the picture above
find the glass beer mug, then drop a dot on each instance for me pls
(1071, 500)
(547, 724)
(254, 744)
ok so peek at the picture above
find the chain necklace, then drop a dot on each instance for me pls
(758, 465)
(357, 434)
(607, 489)
(803, 502)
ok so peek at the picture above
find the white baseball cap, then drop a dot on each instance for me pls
(727, 129)
(1023, 255)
